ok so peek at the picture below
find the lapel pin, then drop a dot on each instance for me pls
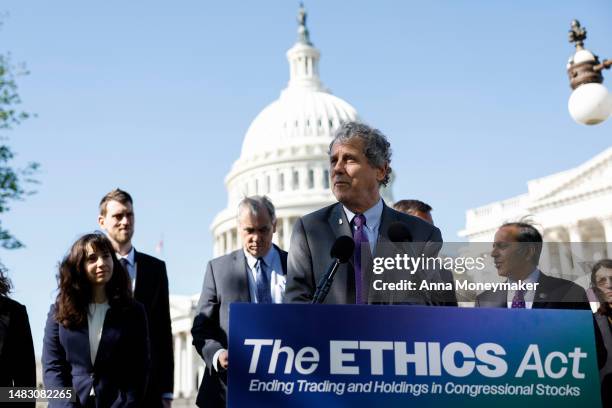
(339, 221)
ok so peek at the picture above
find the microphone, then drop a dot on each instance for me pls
(342, 250)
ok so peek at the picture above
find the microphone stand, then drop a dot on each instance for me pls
(325, 283)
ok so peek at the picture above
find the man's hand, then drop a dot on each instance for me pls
(166, 403)
(223, 359)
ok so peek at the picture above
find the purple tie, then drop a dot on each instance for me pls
(518, 301)
(360, 237)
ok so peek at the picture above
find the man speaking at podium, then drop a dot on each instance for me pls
(359, 165)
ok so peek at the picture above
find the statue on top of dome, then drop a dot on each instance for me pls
(303, 35)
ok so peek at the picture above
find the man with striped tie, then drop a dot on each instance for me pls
(255, 273)
(516, 254)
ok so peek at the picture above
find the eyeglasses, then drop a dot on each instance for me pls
(604, 281)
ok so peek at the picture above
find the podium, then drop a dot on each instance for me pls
(300, 355)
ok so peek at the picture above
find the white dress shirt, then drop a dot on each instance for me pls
(95, 322)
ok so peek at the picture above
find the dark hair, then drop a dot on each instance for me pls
(376, 147)
(604, 307)
(529, 234)
(75, 294)
(116, 195)
(5, 282)
(407, 206)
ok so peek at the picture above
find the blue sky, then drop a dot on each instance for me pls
(155, 97)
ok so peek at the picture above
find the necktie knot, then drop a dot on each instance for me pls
(260, 262)
(359, 220)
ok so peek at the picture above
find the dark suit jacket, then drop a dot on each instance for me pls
(551, 293)
(17, 362)
(152, 291)
(225, 282)
(120, 372)
(309, 257)
(605, 372)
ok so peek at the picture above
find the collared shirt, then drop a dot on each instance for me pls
(274, 270)
(95, 323)
(372, 216)
(131, 265)
(529, 295)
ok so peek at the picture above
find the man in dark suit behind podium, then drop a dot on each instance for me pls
(150, 284)
(359, 166)
(254, 273)
(516, 254)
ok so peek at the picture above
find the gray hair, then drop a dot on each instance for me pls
(376, 147)
(255, 204)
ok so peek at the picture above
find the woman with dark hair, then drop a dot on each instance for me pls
(601, 281)
(17, 361)
(96, 335)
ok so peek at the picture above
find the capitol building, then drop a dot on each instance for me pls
(284, 156)
(572, 210)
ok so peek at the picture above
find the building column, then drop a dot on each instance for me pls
(177, 364)
(278, 235)
(318, 178)
(563, 252)
(545, 263)
(607, 226)
(575, 238)
(303, 178)
(286, 233)
(189, 371)
(229, 245)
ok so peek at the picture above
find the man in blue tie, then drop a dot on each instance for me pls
(359, 166)
(516, 253)
(255, 273)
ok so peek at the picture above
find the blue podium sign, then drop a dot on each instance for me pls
(410, 356)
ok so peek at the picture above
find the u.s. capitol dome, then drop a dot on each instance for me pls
(284, 152)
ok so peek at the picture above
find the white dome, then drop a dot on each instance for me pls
(300, 116)
(284, 152)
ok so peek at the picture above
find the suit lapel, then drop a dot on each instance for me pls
(386, 219)
(541, 299)
(110, 336)
(141, 278)
(499, 299)
(338, 222)
(344, 283)
(78, 339)
(283, 258)
(240, 271)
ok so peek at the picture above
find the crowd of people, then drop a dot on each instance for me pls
(108, 334)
